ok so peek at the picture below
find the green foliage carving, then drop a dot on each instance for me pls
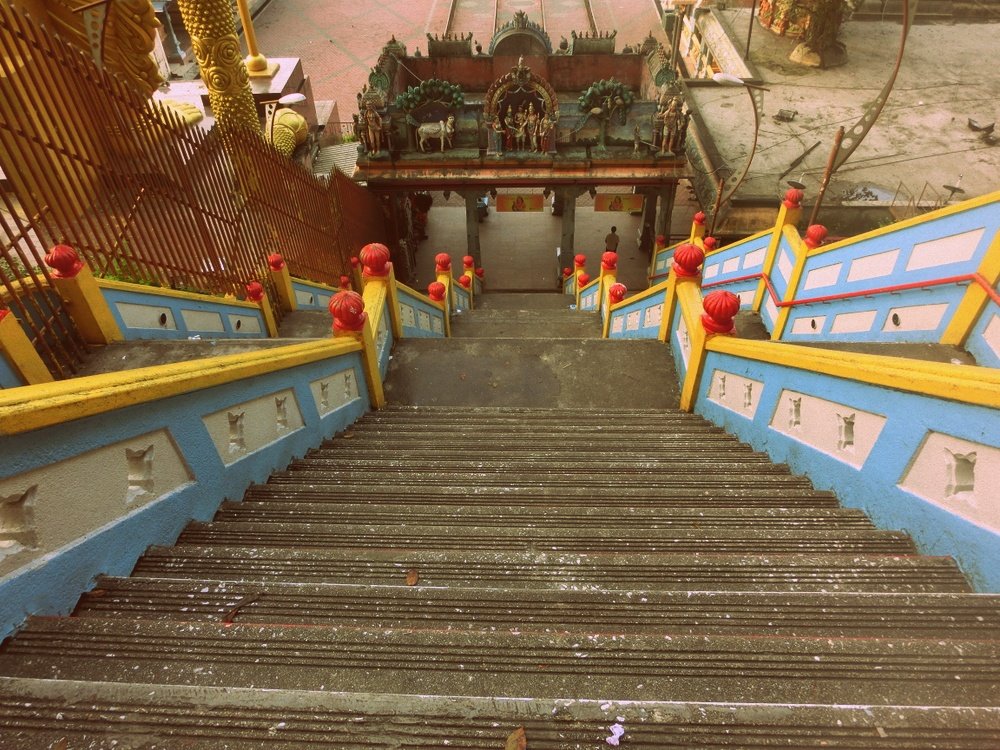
(431, 90)
(606, 98)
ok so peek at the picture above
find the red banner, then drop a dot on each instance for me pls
(627, 202)
(520, 202)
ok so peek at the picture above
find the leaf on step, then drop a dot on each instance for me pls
(61, 744)
(98, 592)
(461, 376)
(412, 577)
(516, 740)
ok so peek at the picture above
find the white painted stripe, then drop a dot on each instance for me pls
(746, 297)
(808, 325)
(854, 322)
(731, 265)
(785, 265)
(825, 276)
(873, 266)
(915, 317)
(957, 248)
(991, 335)
(754, 258)
(711, 271)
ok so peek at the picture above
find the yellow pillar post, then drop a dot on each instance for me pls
(975, 298)
(609, 274)
(376, 269)
(282, 280)
(469, 272)
(711, 316)
(697, 226)
(791, 209)
(83, 299)
(256, 293)
(802, 248)
(350, 319)
(257, 64)
(16, 348)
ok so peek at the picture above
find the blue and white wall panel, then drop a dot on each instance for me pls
(311, 296)
(984, 339)
(735, 261)
(419, 318)
(914, 463)
(384, 340)
(781, 275)
(662, 263)
(589, 295)
(461, 296)
(149, 315)
(951, 245)
(680, 342)
(639, 319)
(94, 493)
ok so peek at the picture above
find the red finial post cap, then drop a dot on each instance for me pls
(580, 260)
(793, 198)
(699, 218)
(815, 235)
(710, 244)
(348, 311)
(567, 272)
(64, 262)
(255, 291)
(345, 282)
(465, 281)
(584, 279)
(617, 292)
(442, 262)
(436, 290)
(468, 261)
(355, 261)
(661, 241)
(275, 261)
(609, 261)
(720, 309)
(687, 258)
(375, 259)
(480, 272)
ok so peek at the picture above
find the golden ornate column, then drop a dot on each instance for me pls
(212, 29)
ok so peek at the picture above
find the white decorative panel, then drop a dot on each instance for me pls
(731, 265)
(785, 265)
(915, 317)
(683, 340)
(653, 316)
(632, 321)
(958, 475)
(825, 276)
(407, 315)
(735, 392)
(873, 266)
(202, 320)
(437, 325)
(839, 430)
(244, 428)
(146, 316)
(65, 500)
(806, 325)
(941, 252)
(323, 300)
(618, 324)
(853, 322)
(245, 323)
(991, 334)
(305, 298)
(333, 391)
(423, 320)
(710, 271)
(746, 297)
(770, 307)
(754, 258)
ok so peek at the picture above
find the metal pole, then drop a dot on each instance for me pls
(826, 175)
(753, 11)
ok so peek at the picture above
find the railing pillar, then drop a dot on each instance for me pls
(16, 348)
(350, 319)
(609, 275)
(580, 269)
(801, 248)
(257, 295)
(788, 214)
(82, 297)
(376, 267)
(442, 272)
(616, 293)
(975, 299)
(282, 280)
(438, 293)
(697, 226)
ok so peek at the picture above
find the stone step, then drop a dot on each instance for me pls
(533, 516)
(689, 612)
(434, 536)
(415, 451)
(880, 671)
(546, 570)
(527, 324)
(523, 301)
(795, 494)
(45, 713)
(450, 469)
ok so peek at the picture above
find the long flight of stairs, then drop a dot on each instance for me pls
(531, 576)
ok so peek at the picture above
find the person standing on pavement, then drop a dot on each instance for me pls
(611, 241)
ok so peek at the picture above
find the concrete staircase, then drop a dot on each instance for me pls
(443, 576)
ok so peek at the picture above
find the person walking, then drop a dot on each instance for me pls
(611, 241)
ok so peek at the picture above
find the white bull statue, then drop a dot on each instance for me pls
(442, 130)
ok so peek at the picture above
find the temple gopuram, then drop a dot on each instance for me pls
(553, 122)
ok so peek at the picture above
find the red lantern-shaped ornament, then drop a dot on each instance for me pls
(584, 279)
(687, 258)
(661, 241)
(275, 261)
(465, 281)
(64, 262)
(255, 291)
(617, 293)
(699, 218)
(580, 260)
(710, 244)
(348, 311)
(375, 259)
(567, 272)
(355, 261)
(720, 309)
(793, 198)
(345, 282)
(468, 261)
(609, 261)
(442, 262)
(480, 273)
(436, 290)
(815, 236)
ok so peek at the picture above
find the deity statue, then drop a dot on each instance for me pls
(531, 124)
(520, 127)
(672, 124)
(546, 132)
(372, 129)
(496, 133)
(510, 126)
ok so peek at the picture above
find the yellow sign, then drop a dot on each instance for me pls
(520, 202)
(627, 202)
